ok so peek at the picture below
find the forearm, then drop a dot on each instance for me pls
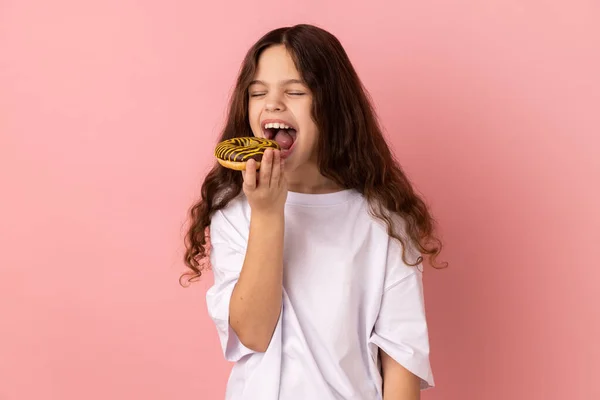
(398, 382)
(398, 393)
(256, 300)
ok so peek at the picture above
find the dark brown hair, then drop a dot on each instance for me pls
(352, 150)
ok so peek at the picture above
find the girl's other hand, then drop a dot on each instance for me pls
(266, 190)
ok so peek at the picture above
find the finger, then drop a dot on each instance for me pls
(266, 167)
(276, 169)
(282, 173)
(250, 175)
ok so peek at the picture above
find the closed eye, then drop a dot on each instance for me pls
(296, 94)
(257, 94)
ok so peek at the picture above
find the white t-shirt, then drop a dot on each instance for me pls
(346, 292)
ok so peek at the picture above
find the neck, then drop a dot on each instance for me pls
(308, 179)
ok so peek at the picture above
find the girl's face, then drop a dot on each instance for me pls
(280, 106)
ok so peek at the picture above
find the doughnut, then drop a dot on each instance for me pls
(234, 153)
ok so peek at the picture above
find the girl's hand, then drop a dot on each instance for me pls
(266, 192)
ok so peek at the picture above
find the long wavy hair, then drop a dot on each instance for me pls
(352, 150)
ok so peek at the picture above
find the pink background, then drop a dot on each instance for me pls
(109, 111)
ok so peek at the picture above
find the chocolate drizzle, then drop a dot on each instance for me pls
(242, 149)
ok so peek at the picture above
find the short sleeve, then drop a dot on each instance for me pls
(401, 326)
(226, 257)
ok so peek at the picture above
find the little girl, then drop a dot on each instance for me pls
(316, 256)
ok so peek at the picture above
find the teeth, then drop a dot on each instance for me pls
(276, 125)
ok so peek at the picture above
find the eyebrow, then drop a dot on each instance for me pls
(286, 82)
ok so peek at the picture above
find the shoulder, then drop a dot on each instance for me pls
(399, 245)
(378, 220)
(381, 217)
(232, 222)
(235, 209)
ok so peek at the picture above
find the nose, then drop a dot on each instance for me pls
(274, 103)
(272, 107)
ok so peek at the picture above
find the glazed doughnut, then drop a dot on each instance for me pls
(235, 153)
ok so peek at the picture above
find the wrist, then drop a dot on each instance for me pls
(266, 217)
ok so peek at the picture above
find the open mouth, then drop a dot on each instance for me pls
(281, 132)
